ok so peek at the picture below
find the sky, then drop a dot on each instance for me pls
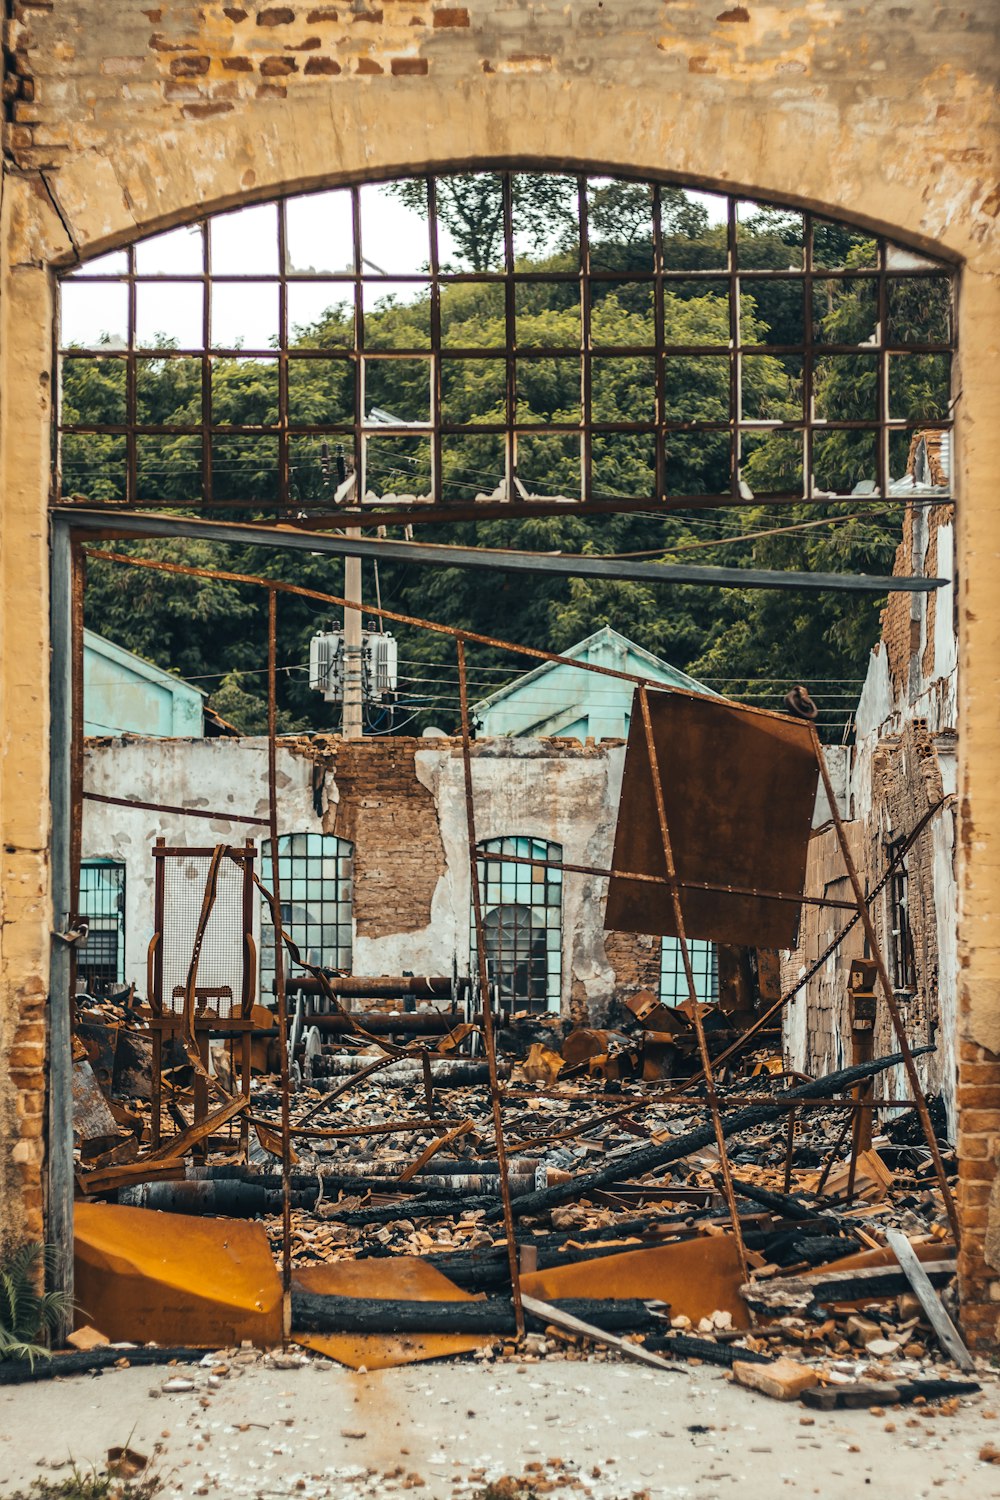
(395, 242)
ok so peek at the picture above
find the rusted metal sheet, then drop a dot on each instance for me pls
(738, 787)
(696, 1277)
(145, 1276)
(402, 1277)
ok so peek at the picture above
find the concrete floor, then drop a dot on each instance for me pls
(321, 1430)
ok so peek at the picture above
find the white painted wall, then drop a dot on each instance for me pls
(520, 787)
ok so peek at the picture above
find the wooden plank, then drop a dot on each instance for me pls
(948, 1335)
(566, 1321)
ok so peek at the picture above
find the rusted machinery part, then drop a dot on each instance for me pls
(388, 1023)
(380, 986)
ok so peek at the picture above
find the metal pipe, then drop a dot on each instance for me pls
(279, 961)
(379, 986)
(59, 1145)
(484, 980)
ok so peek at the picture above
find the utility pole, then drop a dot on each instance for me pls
(352, 721)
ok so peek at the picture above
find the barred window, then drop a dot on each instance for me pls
(522, 920)
(316, 875)
(903, 966)
(101, 959)
(465, 343)
(704, 966)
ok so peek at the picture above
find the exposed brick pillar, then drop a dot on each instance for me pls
(979, 1192)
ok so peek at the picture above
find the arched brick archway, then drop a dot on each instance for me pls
(880, 118)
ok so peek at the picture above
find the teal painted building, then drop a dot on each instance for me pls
(123, 694)
(558, 699)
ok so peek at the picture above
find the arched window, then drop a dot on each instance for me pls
(704, 967)
(488, 340)
(316, 876)
(522, 921)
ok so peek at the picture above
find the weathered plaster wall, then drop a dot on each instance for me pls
(126, 118)
(401, 802)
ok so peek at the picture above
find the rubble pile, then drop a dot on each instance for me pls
(625, 1244)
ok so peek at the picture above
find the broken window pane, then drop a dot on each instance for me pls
(473, 391)
(93, 315)
(320, 392)
(550, 465)
(698, 463)
(179, 252)
(620, 225)
(396, 465)
(244, 315)
(845, 463)
(397, 391)
(470, 222)
(168, 392)
(770, 463)
(845, 310)
(546, 221)
(769, 239)
(472, 466)
(397, 314)
(395, 237)
(169, 315)
(320, 314)
(245, 242)
(694, 229)
(623, 463)
(319, 233)
(622, 314)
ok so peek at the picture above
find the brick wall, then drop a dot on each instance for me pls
(391, 820)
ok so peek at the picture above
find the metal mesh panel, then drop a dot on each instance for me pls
(221, 965)
(522, 919)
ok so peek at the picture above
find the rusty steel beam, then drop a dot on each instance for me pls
(124, 523)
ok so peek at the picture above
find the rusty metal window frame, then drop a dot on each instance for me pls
(102, 904)
(504, 491)
(535, 889)
(307, 884)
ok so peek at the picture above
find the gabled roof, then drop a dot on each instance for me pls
(654, 666)
(101, 646)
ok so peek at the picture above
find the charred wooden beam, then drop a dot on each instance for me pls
(313, 1313)
(656, 1156)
